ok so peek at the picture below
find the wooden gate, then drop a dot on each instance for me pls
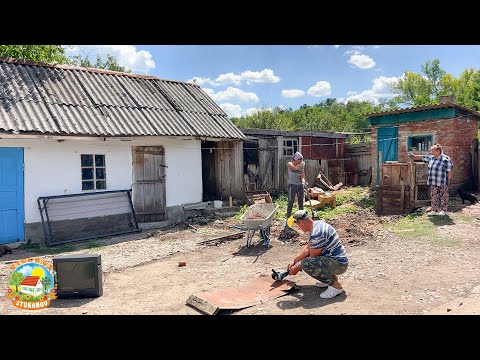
(148, 189)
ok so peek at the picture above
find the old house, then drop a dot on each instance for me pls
(32, 285)
(266, 153)
(416, 129)
(69, 130)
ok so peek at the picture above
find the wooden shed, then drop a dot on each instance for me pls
(416, 129)
(266, 153)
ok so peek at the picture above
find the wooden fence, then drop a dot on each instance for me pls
(362, 152)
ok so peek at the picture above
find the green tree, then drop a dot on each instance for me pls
(434, 74)
(56, 54)
(16, 279)
(328, 115)
(412, 90)
(110, 63)
(46, 283)
(42, 53)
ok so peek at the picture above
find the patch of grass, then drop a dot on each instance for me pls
(96, 246)
(356, 195)
(43, 249)
(60, 249)
(241, 211)
(29, 246)
(282, 201)
(348, 200)
(329, 213)
(421, 226)
(413, 225)
(464, 218)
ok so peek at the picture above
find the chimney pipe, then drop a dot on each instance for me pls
(447, 99)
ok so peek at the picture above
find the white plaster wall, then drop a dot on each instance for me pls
(53, 167)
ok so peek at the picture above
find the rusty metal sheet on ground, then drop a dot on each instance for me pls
(261, 290)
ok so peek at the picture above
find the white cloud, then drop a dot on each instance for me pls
(361, 61)
(26, 270)
(313, 46)
(202, 81)
(232, 110)
(210, 92)
(139, 61)
(293, 93)
(376, 46)
(321, 88)
(379, 89)
(336, 46)
(382, 84)
(350, 52)
(248, 76)
(232, 93)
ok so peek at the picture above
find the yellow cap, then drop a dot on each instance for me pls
(290, 221)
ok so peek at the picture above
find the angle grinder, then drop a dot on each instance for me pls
(279, 276)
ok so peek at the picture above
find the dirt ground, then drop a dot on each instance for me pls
(388, 273)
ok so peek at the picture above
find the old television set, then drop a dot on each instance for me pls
(78, 275)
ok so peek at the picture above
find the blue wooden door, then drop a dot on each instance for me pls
(11, 195)
(387, 144)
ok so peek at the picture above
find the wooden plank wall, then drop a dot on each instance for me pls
(312, 168)
(394, 173)
(229, 170)
(268, 163)
(393, 200)
(362, 152)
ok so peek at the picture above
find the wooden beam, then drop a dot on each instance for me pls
(224, 238)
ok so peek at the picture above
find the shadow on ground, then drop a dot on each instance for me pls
(308, 297)
(70, 302)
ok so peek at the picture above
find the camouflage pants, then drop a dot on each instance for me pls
(439, 196)
(323, 268)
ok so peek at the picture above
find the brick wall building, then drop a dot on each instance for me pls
(394, 133)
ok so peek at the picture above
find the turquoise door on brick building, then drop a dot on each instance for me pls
(387, 146)
(11, 195)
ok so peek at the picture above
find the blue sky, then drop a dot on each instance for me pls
(243, 78)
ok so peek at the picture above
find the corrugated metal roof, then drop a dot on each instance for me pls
(424, 108)
(36, 97)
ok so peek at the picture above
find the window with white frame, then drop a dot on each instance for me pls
(93, 172)
(290, 146)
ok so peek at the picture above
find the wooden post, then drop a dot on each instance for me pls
(378, 199)
(412, 185)
(402, 195)
(380, 164)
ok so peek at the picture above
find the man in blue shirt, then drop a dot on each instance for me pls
(439, 178)
(323, 258)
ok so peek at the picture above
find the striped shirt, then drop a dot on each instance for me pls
(437, 169)
(324, 236)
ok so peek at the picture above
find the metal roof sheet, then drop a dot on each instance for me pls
(43, 98)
